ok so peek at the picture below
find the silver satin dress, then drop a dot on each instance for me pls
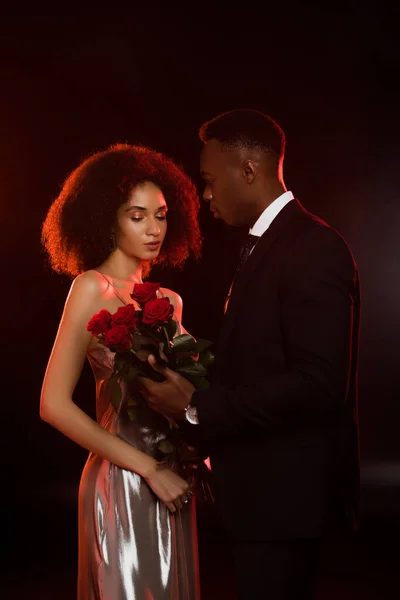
(130, 546)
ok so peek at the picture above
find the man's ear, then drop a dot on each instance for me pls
(249, 171)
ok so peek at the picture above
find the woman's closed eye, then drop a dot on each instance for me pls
(161, 217)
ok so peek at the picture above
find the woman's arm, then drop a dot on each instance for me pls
(64, 368)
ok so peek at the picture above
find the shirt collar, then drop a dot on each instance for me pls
(269, 214)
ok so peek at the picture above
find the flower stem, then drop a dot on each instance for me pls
(166, 335)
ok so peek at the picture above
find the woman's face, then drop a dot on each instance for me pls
(142, 223)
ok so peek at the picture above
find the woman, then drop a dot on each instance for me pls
(137, 529)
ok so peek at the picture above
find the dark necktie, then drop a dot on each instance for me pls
(245, 251)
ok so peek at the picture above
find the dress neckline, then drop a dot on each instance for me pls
(108, 279)
(115, 278)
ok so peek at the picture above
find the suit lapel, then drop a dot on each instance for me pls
(281, 224)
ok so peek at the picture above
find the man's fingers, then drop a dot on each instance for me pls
(152, 402)
(145, 383)
(154, 405)
(168, 373)
(152, 360)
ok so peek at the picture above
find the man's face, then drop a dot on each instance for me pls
(226, 188)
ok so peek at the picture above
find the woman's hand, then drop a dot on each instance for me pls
(171, 489)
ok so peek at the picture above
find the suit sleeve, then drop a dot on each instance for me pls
(317, 298)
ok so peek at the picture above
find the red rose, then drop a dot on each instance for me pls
(125, 315)
(157, 311)
(144, 292)
(99, 323)
(118, 338)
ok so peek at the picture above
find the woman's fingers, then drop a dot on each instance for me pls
(171, 507)
(178, 504)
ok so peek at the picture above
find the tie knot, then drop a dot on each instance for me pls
(252, 239)
(250, 242)
(247, 247)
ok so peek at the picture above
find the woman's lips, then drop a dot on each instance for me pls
(153, 245)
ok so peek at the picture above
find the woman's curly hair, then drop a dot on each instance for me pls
(77, 231)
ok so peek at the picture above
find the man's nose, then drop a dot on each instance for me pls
(207, 195)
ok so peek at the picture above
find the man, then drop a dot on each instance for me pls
(280, 416)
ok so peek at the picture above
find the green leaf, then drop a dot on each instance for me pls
(137, 397)
(152, 332)
(171, 328)
(194, 370)
(132, 373)
(119, 362)
(201, 383)
(184, 343)
(202, 345)
(115, 392)
(185, 360)
(206, 358)
(131, 413)
(144, 341)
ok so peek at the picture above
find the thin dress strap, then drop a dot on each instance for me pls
(125, 303)
(114, 289)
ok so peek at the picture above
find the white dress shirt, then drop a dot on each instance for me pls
(269, 214)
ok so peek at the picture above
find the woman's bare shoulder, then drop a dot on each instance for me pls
(176, 302)
(174, 297)
(88, 286)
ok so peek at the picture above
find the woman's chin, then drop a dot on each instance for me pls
(149, 255)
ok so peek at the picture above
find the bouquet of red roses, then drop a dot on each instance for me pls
(135, 334)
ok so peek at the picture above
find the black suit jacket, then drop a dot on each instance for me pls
(280, 418)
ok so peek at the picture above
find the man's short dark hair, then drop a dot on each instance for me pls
(245, 128)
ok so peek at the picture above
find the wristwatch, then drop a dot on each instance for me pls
(191, 415)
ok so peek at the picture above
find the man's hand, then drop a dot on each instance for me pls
(170, 397)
